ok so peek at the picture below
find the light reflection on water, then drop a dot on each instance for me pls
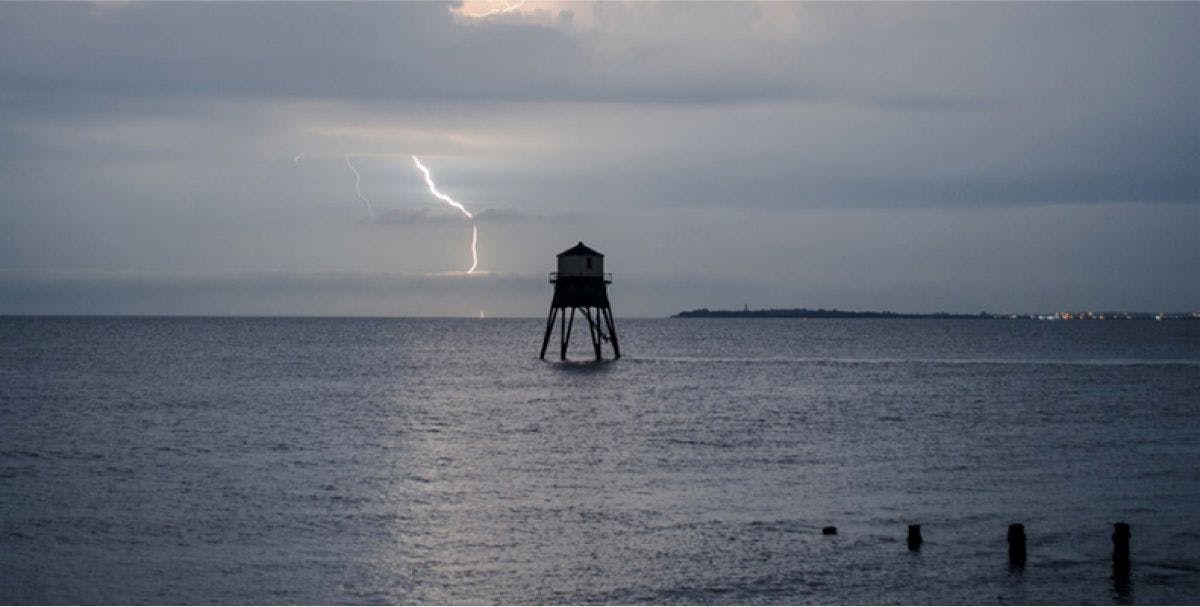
(413, 461)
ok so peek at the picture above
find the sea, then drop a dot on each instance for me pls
(404, 461)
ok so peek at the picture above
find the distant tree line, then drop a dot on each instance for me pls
(823, 313)
(818, 313)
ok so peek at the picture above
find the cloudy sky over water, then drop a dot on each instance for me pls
(177, 158)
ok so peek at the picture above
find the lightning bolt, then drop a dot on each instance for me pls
(358, 190)
(474, 253)
(440, 196)
(450, 201)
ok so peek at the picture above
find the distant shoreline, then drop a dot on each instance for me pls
(824, 313)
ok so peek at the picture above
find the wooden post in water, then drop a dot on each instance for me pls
(1016, 544)
(1120, 556)
(914, 537)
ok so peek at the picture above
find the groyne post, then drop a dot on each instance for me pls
(1120, 555)
(1016, 544)
(914, 537)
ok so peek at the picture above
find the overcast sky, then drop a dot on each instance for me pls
(177, 158)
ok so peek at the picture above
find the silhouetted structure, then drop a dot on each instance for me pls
(914, 537)
(1016, 544)
(581, 284)
(1120, 556)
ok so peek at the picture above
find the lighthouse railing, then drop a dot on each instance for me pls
(554, 276)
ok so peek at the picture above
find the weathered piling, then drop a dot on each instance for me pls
(1120, 556)
(1016, 544)
(914, 537)
(830, 530)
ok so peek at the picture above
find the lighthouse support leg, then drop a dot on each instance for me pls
(566, 333)
(594, 329)
(549, 330)
(612, 331)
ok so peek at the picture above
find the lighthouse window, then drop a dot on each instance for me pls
(589, 263)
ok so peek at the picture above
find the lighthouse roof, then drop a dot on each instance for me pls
(580, 250)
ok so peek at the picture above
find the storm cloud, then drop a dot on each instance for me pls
(1010, 157)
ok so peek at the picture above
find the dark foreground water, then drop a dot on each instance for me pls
(437, 461)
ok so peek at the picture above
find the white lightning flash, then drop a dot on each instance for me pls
(450, 201)
(474, 253)
(358, 190)
(433, 188)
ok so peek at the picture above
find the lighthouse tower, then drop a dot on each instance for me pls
(581, 284)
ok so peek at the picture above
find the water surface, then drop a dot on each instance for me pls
(185, 460)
